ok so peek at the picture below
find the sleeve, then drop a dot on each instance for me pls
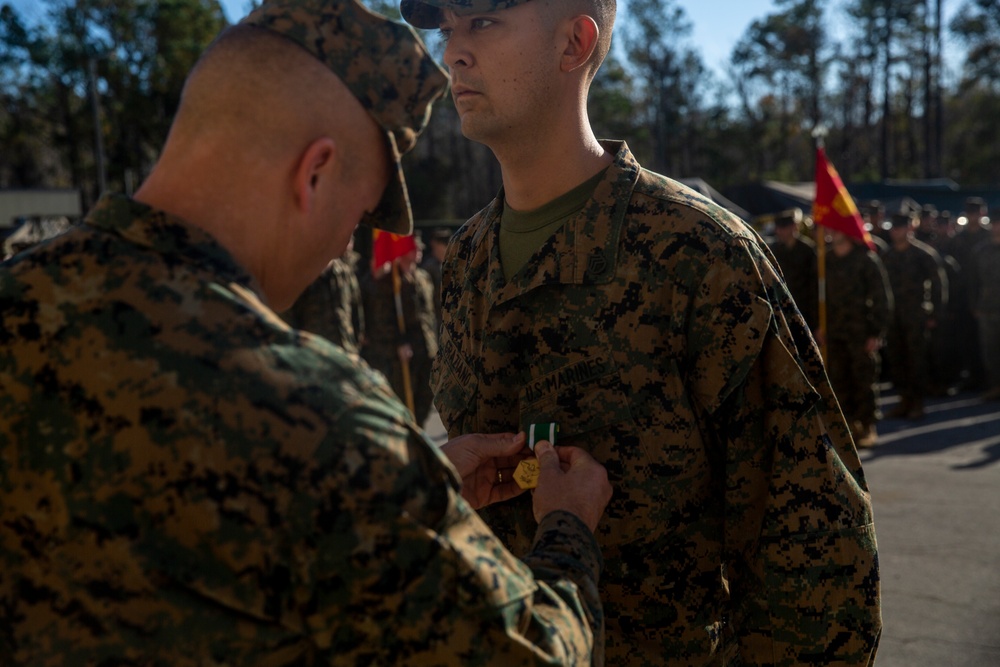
(800, 554)
(409, 574)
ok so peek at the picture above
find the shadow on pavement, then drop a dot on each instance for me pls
(954, 421)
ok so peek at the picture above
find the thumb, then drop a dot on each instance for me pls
(546, 454)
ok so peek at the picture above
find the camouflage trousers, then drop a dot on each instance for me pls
(854, 375)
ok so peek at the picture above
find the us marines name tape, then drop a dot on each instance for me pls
(582, 371)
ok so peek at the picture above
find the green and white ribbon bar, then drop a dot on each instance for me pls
(545, 431)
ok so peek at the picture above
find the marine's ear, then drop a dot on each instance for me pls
(319, 162)
(580, 44)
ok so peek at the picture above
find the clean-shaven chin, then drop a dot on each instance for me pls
(466, 102)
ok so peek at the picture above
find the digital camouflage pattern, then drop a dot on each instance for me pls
(918, 283)
(858, 300)
(184, 480)
(331, 307)
(798, 268)
(383, 336)
(858, 297)
(383, 63)
(654, 329)
(427, 13)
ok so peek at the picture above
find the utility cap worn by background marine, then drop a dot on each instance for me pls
(902, 219)
(427, 13)
(790, 218)
(974, 204)
(382, 62)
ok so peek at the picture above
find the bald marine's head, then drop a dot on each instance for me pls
(282, 143)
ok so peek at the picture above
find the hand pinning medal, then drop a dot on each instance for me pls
(526, 473)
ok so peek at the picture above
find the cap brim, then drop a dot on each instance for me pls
(393, 212)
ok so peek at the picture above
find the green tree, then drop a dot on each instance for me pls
(884, 25)
(611, 104)
(102, 79)
(973, 137)
(977, 24)
(23, 132)
(779, 67)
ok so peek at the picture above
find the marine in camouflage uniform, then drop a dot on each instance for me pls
(858, 300)
(987, 308)
(331, 306)
(384, 338)
(184, 480)
(964, 248)
(796, 256)
(918, 283)
(653, 327)
(656, 332)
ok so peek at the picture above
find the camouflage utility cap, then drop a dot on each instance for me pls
(382, 62)
(427, 13)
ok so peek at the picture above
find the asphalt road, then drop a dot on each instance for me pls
(935, 487)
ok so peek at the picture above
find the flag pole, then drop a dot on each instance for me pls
(819, 133)
(401, 322)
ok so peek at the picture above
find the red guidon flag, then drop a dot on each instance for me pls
(833, 206)
(388, 246)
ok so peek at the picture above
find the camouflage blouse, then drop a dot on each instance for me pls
(656, 331)
(184, 480)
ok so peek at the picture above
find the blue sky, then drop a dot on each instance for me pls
(717, 24)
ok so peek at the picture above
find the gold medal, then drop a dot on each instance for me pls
(526, 473)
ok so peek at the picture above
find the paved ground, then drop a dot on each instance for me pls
(936, 491)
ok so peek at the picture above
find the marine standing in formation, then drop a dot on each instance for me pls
(796, 256)
(964, 248)
(987, 309)
(652, 327)
(918, 283)
(185, 480)
(858, 301)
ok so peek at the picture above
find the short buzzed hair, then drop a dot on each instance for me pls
(603, 12)
(247, 64)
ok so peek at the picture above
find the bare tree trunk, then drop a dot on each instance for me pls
(928, 93)
(885, 168)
